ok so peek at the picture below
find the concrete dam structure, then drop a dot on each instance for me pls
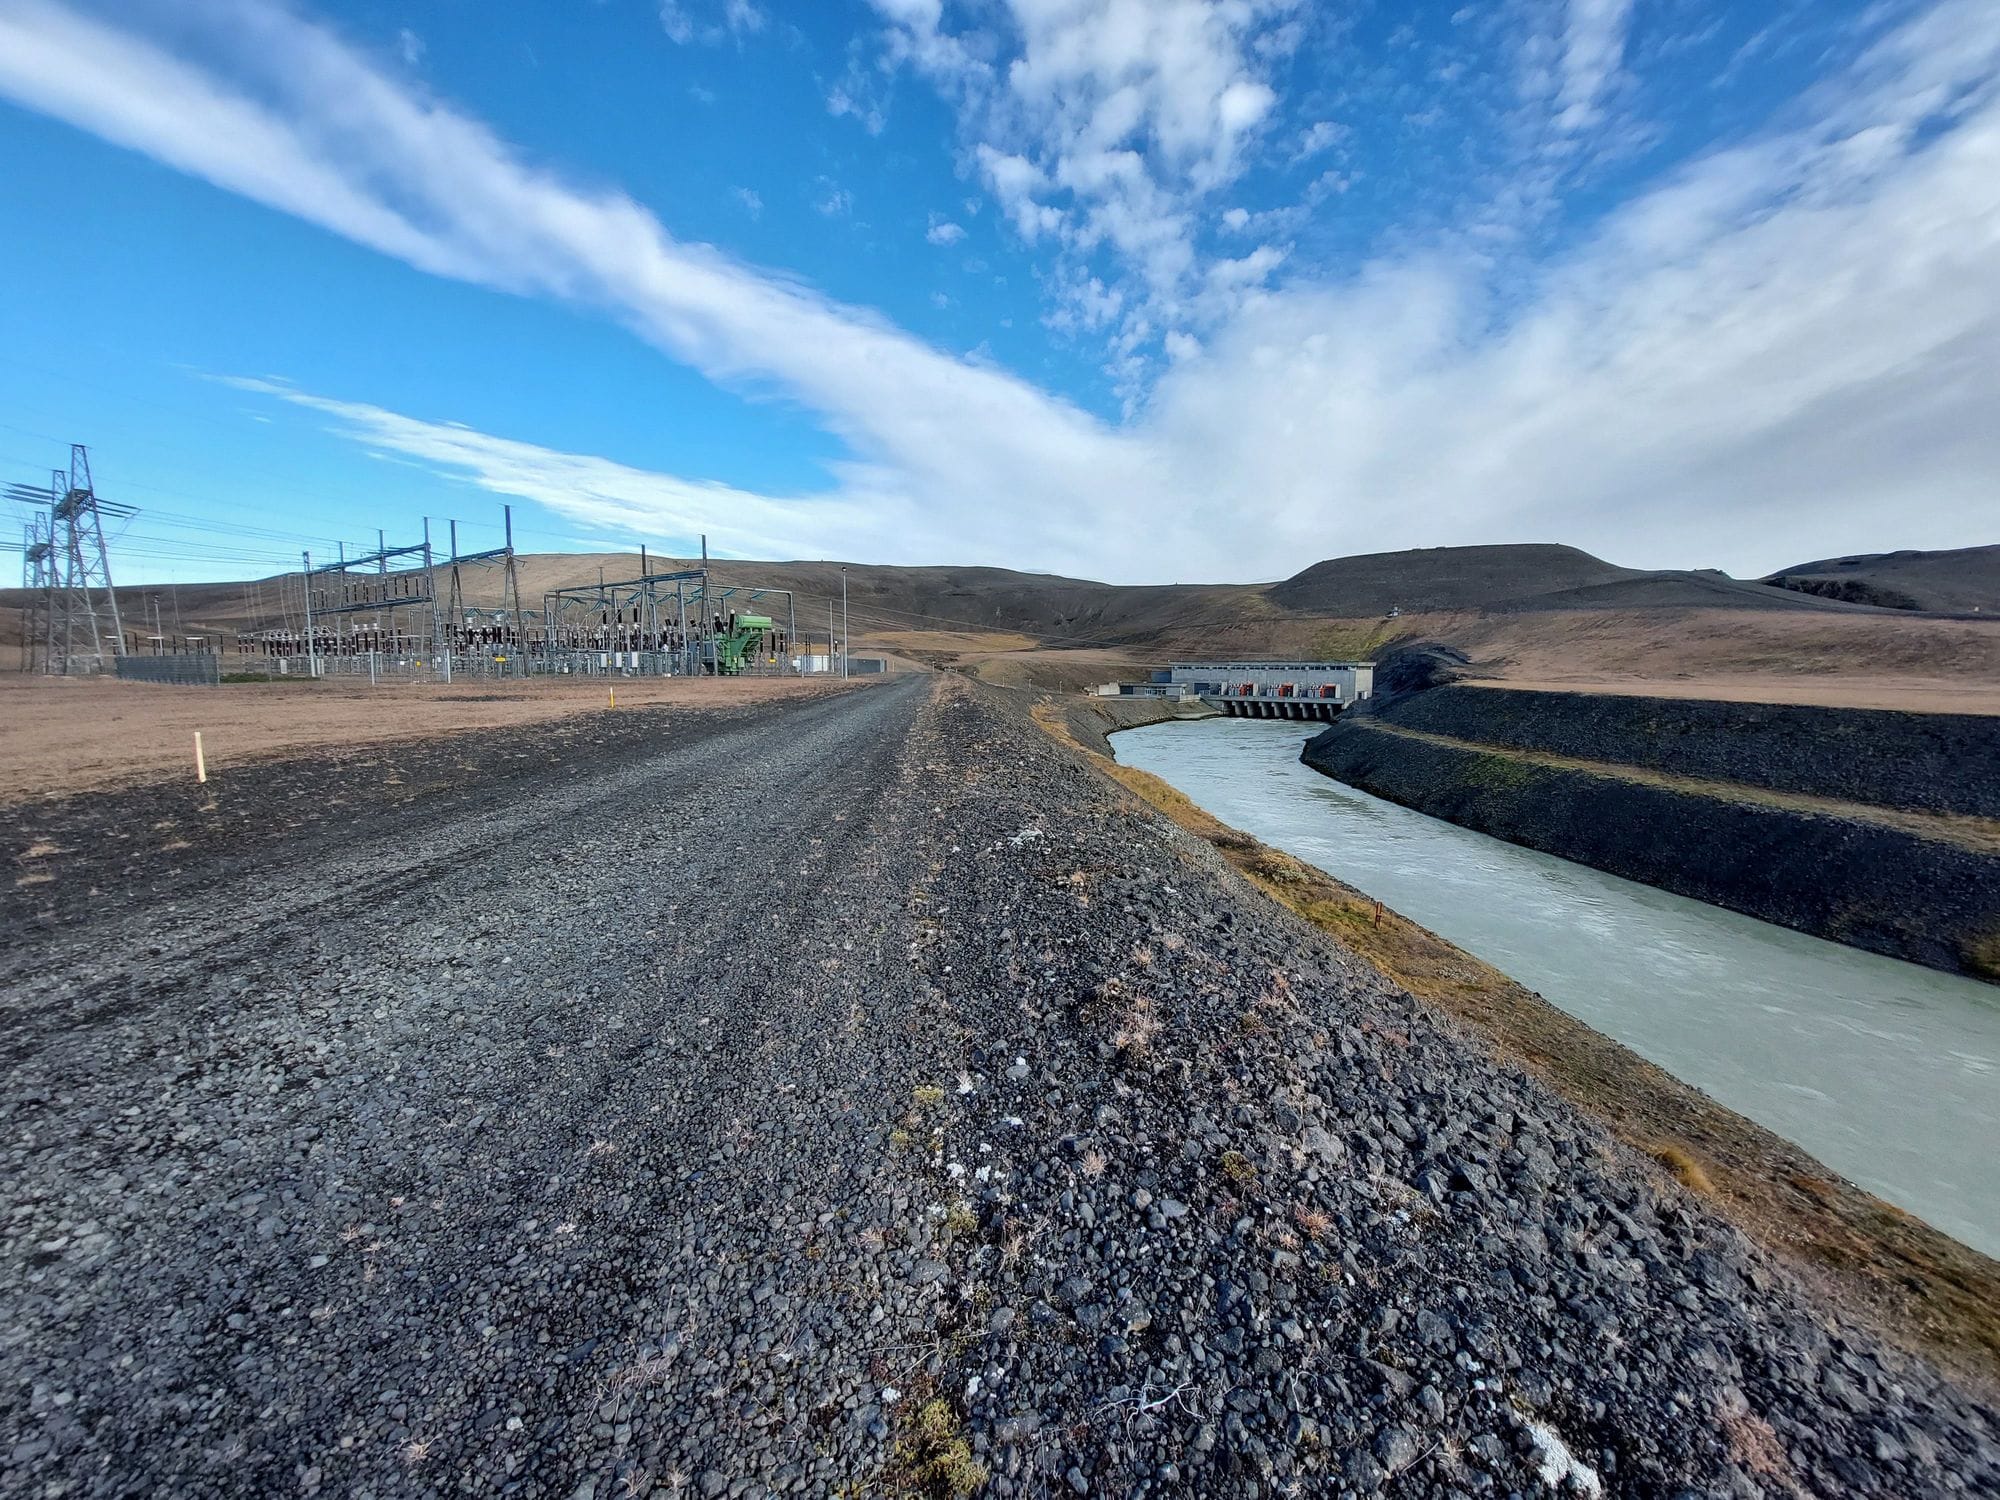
(1307, 690)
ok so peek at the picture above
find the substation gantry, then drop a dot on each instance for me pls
(398, 587)
(677, 622)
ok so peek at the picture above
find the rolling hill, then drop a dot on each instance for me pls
(1516, 577)
(1965, 580)
(1539, 612)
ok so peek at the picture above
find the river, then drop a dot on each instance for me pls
(1886, 1071)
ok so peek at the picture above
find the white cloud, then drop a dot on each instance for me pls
(612, 497)
(1788, 349)
(841, 100)
(1593, 46)
(411, 46)
(944, 232)
(1249, 270)
(676, 22)
(1105, 123)
(1318, 137)
(690, 21)
(752, 201)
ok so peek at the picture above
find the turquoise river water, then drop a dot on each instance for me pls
(1886, 1071)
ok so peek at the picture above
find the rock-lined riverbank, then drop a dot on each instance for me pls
(1628, 785)
(1046, 1155)
(1920, 762)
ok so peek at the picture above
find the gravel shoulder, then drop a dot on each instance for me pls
(860, 1094)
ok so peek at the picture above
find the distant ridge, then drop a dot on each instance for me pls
(1963, 580)
(1509, 578)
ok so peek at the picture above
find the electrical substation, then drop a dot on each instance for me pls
(416, 608)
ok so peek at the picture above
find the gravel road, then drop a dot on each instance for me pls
(838, 1096)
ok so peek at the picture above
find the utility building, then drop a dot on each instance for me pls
(1274, 689)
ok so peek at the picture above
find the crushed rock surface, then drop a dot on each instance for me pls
(686, 1113)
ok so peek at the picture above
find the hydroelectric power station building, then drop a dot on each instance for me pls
(1260, 689)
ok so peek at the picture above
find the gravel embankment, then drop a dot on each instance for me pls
(1844, 876)
(780, 1105)
(1923, 762)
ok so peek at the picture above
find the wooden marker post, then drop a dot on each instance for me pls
(200, 766)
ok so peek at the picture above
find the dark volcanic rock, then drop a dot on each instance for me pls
(588, 1145)
(1948, 763)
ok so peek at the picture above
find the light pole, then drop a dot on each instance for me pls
(843, 622)
(312, 646)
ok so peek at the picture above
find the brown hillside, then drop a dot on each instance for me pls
(1547, 614)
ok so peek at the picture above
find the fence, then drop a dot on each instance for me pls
(191, 669)
(456, 666)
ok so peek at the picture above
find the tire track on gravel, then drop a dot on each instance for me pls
(540, 1179)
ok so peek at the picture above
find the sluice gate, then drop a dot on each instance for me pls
(1274, 706)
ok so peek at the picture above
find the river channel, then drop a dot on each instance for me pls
(1886, 1071)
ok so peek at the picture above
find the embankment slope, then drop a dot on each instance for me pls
(1872, 828)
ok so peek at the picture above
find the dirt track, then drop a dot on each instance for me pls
(849, 1093)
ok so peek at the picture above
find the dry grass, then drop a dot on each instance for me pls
(636, 1377)
(953, 643)
(1314, 1223)
(1746, 655)
(59, 736)
(1138, 1027)
(1982, 956)
(1683, 1167)
(1754, 1446)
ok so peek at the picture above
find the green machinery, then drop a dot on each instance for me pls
(734, 644)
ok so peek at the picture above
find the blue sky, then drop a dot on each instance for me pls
(1145, 290)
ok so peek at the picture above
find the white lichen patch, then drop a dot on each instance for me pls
(1558, 1464)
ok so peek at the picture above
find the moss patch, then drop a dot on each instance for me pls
(932, 1456)
(1982, 956)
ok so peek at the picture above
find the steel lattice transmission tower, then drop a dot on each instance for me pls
(83, 631)
(40, 573)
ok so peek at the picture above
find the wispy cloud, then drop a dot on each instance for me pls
(1593, 45)
(833, 200)
(1102, 125)
(615, 498)
(703, 21)
(1789, 341)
